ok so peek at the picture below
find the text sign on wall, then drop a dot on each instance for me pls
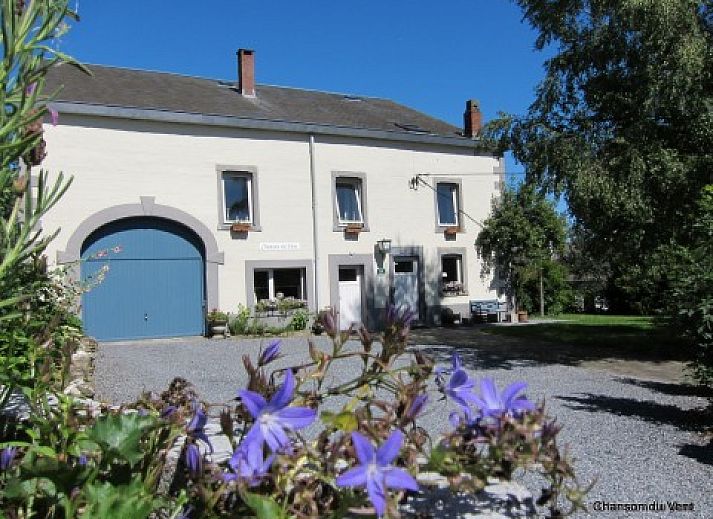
(280, 246)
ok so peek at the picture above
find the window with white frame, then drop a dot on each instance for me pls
(237, 197)
(447, 203)
(273, 283)
(349, 200)
(452, 274)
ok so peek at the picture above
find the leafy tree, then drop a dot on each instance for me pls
(557, 294)
(622, 124)
(689, 301)
(519, 241)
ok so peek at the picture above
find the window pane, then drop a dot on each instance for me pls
(349, 274)
(403, 266)
(237, 207)
(348, 202)
(262, 288)
(289, 282)
(446, 204)
(450, 266)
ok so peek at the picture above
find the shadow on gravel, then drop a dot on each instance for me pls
(684, 419)
(700, 453)
(670, 388)
(475, 359)
(498, 350)
(504, 343)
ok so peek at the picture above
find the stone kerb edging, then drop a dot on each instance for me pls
(81, 369)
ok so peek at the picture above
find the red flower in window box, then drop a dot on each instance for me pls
(240, 227)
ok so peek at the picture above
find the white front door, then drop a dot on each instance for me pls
(406, 283)
(349, 296)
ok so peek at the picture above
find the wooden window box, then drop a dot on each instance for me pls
(354, 228)
(451, 231)
(240, 227)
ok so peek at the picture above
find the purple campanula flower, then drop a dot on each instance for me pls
(416, 407)
(7, 456)
(375, 471)
(83, 460)
(193, 459)
(196, 427)
(466, 417)
(494, 404)
(456, 364)
(270, 353)
(460, 388)
(168, 411)
(274, 418)
(248, 463)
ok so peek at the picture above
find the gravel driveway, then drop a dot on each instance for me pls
(640, 438)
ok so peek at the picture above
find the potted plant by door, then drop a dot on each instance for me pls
(217, 323)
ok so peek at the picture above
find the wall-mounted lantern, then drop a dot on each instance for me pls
(384, 246)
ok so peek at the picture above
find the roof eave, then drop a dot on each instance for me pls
(167, 116)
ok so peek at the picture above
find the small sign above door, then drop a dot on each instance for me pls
(280, 246)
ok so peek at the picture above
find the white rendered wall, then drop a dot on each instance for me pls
(117, 161)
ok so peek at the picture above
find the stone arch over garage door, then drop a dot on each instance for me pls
(148, 207)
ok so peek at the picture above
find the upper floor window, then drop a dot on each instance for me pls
(447, 199)
(349, 200)
(237, 196)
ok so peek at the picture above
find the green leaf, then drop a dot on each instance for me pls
(22, 490)
(45, 451)
(264, 507)
(345, 421)
(107, 501)
(120, 435)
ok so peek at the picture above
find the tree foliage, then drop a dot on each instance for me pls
(520, 238)
(689, 300)
(622, 124)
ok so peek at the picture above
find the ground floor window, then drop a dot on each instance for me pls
(280, 283)
(452, 274)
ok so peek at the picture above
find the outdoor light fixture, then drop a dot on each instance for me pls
(384, 245)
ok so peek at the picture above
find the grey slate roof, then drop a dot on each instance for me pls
(139, 89)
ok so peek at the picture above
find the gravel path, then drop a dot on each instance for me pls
(640, 438)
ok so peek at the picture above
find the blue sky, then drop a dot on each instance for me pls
(432, 56)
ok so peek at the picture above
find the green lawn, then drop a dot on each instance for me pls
(623, 332)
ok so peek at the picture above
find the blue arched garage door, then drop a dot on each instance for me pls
(153, 286)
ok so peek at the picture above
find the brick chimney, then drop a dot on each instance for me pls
(246, 72)
(472, 118)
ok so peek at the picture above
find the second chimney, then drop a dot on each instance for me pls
(472, 119)
(246, 72)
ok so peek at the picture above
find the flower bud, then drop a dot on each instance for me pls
(365, 338)
(19, 185)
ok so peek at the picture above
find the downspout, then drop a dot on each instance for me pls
(315, 246)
